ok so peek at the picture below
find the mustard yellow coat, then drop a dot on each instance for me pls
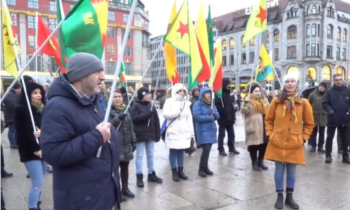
(286, 137)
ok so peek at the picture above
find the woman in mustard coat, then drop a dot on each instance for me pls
(289, 123)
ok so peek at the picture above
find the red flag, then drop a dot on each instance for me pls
(52, 47)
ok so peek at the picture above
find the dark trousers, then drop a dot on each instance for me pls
(205, 155)
(231, 137)
(254, 149)
(2, 161)
(124, 173)
(313, 142)
(2, 201)
(343, 130)
(339, 140)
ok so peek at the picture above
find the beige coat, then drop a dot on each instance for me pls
(253, 124)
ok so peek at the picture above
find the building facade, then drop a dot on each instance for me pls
(136, 55)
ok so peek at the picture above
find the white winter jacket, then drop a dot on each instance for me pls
(180, 131)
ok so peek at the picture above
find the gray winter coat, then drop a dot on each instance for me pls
(127, 134)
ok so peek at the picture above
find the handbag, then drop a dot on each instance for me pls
(163, 133)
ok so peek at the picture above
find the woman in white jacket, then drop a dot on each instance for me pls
(179, 129)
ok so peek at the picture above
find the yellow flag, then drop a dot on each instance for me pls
(9, 40)
(265, 69)
(257, 22)
(182, 36)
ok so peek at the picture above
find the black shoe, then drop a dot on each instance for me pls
(124, 198)
(39, 204)
(13, 147)
(5, 174)
(153, 178)
(328, 159)
(126, 191)
(48, 170)
(290, 201)
(33, 209)
(234, 151)
(201, 172)
(181, 173)
(340, 151)
(222, 152)
(321, 150)
(208, 171)
(313, 149)
(28, 176)
(175, 175)
(346, 160)
(139, 180)
(279, 201)
(255, 165)
(262, 165)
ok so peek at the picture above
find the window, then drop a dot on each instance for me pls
(11, 2)
(329, 51)
(31, 41)
(111, 67)
(338, 53)
(32, 64)
(251, 57)
(111, 49)
(33, 4)
(330, 32)
(313, 30)
(52, 24)
(252, 42)
(224, 60)
(267, 37)
(291, 52)
(277, 54)
(308, 30)
(129, 70)
(345, 35)
(31, 22)
(339, 34)
(292, 32)
(243, 44)
(125, 18)
(224, 44)
(127, 51)
(232, 43)
(111, 32)
(111, 15)
(314, 10)
(276, 35)
(344, 54)
(326, 73)
(318, 30)
(307, 50)
(129, 36)
(53, 65)
(52, 6)
(14, 19)
(232, 60)
(313, 49)
(244, 58)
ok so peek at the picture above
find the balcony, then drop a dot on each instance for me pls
(312, 59)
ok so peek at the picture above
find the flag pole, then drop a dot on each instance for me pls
(30, 60)
(126, 84)
(36, 48)
(115, 80)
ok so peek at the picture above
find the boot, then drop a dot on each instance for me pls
(290, 200)
(346, 160)
(208, 171)
(39, 204)
(126, 191)
(5, 174)
(33, 209)
(262, 165)
(139, 180)
(175, 175)
(234, 151)
(153, 178)
(256, 166)
(313, 149)
(222, 152)
(279, 201)
(181, 173)
(201, 172)
(124, 198)
(328, 158)
(320, 149)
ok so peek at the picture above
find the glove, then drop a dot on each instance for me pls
(122, 117)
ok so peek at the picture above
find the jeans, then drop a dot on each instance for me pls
(12, 134)
(231, 137)
(279, 175)
(313, 142)
(254, 149)
(343, 130)
(140, 149)
(176, 156)
(36, 170)
(205, 155)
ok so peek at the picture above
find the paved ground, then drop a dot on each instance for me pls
(234, 185)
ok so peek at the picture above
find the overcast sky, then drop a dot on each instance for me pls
(159, 10)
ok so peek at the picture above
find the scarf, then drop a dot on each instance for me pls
(38, 104)
(259, 104)
(289, 104)
(121, 107)
(207, 101)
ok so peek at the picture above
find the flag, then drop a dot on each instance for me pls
(257, 22)
(210, 38)
(203, 45)
(9, 40)
(122, 75)
(216, 77)
(52, 47)
(265, 69)
(130, 2)
(182, 36)
(84, 29)
(170, 54)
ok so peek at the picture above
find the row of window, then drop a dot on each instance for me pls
(111, 50)
(111, 16)
(244, 58)
(112, 65)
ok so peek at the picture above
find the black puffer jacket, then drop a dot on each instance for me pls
(336, 103)
(141, 114)
(225, 107)
(9, 104)
(26, 141)
(126, 131)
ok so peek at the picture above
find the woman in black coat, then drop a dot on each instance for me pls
(28, 140)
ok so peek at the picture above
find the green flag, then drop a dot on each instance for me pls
(122, 78)
(210, 38)
(130, 2)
